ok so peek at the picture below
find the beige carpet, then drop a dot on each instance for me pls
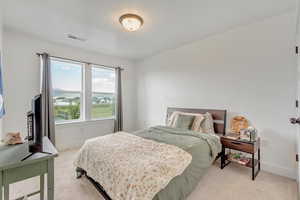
(232, 183)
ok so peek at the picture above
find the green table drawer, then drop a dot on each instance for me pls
(24, 172)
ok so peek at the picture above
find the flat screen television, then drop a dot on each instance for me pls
(34, 125)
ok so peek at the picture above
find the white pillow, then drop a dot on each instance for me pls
(171, 122)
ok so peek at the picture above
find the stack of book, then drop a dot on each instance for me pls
(238, 158)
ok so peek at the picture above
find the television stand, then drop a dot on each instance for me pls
(31, 154)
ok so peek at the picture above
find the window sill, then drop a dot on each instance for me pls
(83, 121)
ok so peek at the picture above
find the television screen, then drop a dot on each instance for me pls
(34, 125)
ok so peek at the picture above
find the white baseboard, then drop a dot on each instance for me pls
(279, 170)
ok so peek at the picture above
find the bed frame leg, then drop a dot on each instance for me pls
(79, 172)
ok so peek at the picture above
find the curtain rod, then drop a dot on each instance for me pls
(107, 66)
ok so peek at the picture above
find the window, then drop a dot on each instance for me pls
(82, 91)
(103, 92)
(67, 90)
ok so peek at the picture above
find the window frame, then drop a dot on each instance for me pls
(85, 93)
(91, 89)
(81, 117)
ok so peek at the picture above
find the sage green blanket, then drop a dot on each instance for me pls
(203, 148)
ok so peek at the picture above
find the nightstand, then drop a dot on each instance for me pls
(252, 148)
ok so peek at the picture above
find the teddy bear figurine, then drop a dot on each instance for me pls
(13, 138)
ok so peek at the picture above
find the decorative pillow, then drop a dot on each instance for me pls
(185, 121)
(197, 122)
(207, 125)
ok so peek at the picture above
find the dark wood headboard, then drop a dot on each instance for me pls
(219, 116)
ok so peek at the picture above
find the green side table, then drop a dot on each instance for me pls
(12, 169)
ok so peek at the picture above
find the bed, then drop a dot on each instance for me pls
(203, 148)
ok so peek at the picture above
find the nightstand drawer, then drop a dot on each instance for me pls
(236, 145)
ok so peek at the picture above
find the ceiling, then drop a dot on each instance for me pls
(168, 23)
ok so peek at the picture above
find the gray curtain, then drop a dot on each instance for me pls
(47, 100)
(118, 109)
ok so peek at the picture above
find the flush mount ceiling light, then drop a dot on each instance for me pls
(131, 22)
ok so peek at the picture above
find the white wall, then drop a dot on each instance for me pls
(1, 24)
(249, 71)
(21, 80)
(1, 49)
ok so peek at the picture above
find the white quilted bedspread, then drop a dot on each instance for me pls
(129, 167)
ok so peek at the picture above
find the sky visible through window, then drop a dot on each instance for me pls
(68, 76)
(103, 80)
